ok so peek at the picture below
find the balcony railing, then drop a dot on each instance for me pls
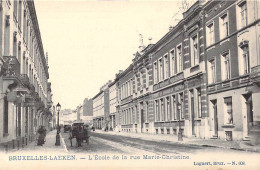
(255, 74)
(32, 88)
(12, 66)
(36, 96)
(25, 80)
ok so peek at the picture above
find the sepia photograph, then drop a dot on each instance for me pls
(130, 84)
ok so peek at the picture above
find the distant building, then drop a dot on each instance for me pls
(101, 107)
(88, 107)
(79, 111)
(65, 117)
(113, 102)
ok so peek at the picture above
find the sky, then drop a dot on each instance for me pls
(89, 41)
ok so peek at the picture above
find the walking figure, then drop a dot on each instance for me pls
(42, 133)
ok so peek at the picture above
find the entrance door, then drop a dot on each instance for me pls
(192, 112)
(18, 120)
(26, 120)
(215, 111)
(142, 117)
(249, 110)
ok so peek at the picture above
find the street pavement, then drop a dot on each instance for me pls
(132, 146)
(130, 143)
(46, 148)
(236, 145)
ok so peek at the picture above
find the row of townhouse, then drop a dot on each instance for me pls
(200, 79)
(101, 107)
(25, 93)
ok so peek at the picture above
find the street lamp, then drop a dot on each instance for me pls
(58, 106)
(179, 113)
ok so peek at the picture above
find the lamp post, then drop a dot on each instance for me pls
(179, 113)
(58, 106)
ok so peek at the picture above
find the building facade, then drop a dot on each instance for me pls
(203, 74)
(201, 79)
(24, 90)
(101, 107)
(232, 52)
(113, 102)
(88, 107)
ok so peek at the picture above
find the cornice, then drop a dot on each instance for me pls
(34, 19)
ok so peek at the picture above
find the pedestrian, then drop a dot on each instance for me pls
(41, 136)
(79, 136)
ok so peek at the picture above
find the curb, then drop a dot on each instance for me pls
(187, 143)
(63, 143)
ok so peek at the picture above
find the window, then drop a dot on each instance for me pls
(20, 14)
(131, 87)
(199, 101)
(147, 78)
(210, 34)
(174, 117)
(18, 120)
(15, 8)
(162, 110)
(141, 80)
(136, 113)
(243, 14)
(6, 119)
(224, 26)
(167, 109)
(126, 89)
(155, 72)
(180, 106)
(166, 67)
(157, 115)
(129, 116)
(173, 63)
(121, 89)
(228, 110)
(212, 71)
(160, 70)
(226, 66)
(194, 51)
(245, 66)
(147, 111)
(136, 84)
(179, 59)
(132, 115)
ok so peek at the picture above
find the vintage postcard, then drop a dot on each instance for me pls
(130, 84)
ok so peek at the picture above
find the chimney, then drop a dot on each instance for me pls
(150, 40)
(170, 28)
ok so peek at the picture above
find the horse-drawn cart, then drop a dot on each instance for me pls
(80, 132)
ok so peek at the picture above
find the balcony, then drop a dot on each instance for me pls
(49, 104)
(25, 80)
(36, 97)
(32, 88)
(12, 67)
(10, 70)
(255, 75)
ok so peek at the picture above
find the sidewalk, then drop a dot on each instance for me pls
(48, 146)
(237, 145)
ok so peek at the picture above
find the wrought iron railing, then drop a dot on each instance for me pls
(25, 79)
(12, 66)
(255, 73)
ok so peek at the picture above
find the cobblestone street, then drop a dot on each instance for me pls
(130, 143)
